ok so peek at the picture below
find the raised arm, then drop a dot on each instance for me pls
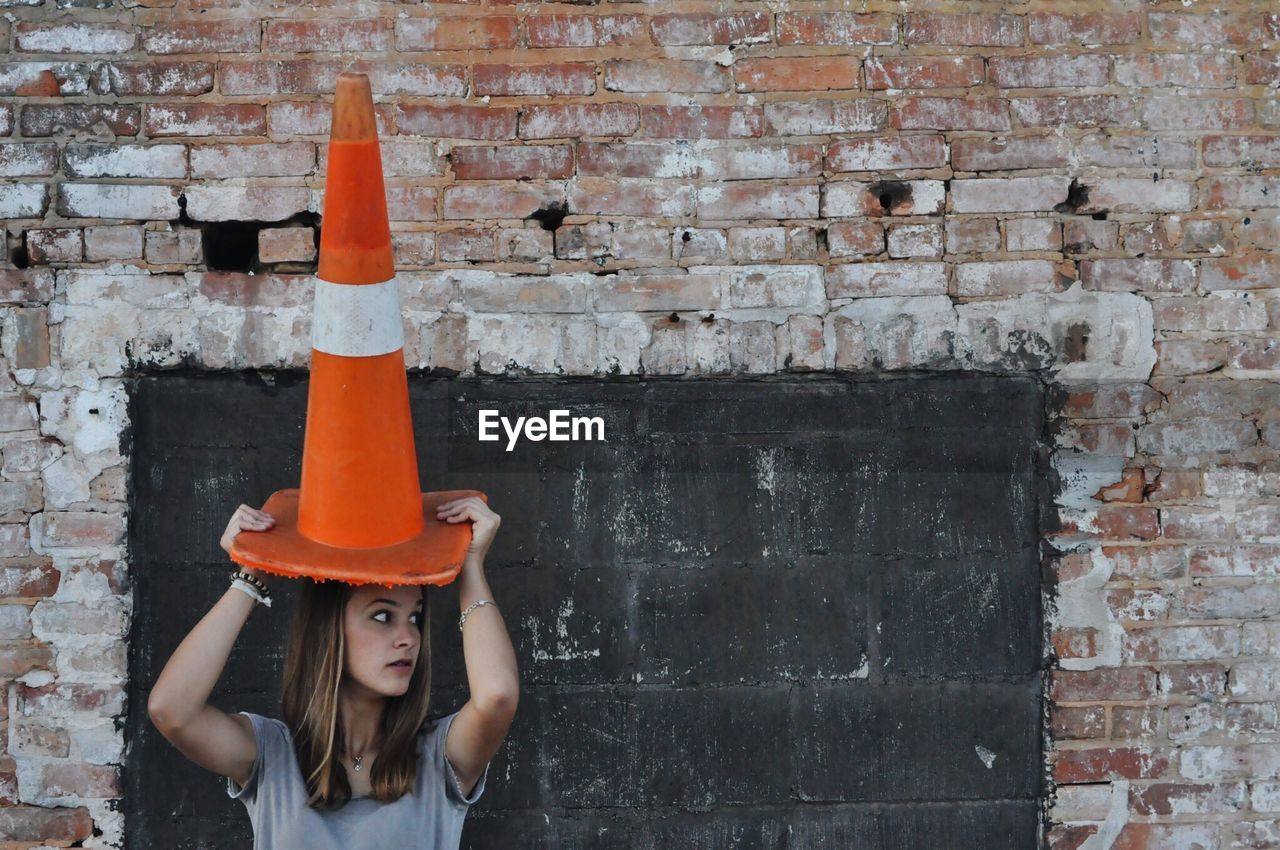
(492, 676)
(178, 704)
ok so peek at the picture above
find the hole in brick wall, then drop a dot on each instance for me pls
(550, 217)
(1077, 197)
(891, 195)
(230, 246)
(820, 235)
(1247, 221)
(20, 258)
(1099, 216)
(686, 236)
(709, 318)
(673, 318)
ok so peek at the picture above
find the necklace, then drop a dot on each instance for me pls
(358, 760)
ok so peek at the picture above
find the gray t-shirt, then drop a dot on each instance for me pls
(429, 818)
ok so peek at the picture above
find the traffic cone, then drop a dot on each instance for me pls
(359, 516)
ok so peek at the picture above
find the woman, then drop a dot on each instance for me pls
(354, 763)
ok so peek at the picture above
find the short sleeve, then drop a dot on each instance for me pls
(453, 786)
(248, 794)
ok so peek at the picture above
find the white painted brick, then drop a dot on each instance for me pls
(246, 203)
(155, 161)
(1011, 194)
(23, 200)
(132, 202)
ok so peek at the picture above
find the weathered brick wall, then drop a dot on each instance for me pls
(1086, 191)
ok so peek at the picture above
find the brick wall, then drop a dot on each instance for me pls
(1084, 191)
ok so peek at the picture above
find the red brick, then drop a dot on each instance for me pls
(1138, 275)
(750, 200)
(1262, 69)
(1188, 71)
(887, 153)
(820, 117)
(347, 35)
(521, 162)
(490, 123)
(659, 293)
(237, 289)
(314, 118)
(61, 700)
(1116, 522)
(855, 238)
(40, 825)
(499, 201)
(56, 119)
(18, 285)
(55, 245)
(1007, 277)
(648, 198)
(924, 72)
(1018, 72)
(579, 120)
(469, 32)
(1010, 153)
(951, 113)
(411, 203)
(64, 779)
(230, 36)
(1075, 642)
(1242, 193)
(1186, 113)
(796, 74)
(19, 659)
(1092, 28)
(267, 159)
(1077, 722)
(1135, 151)
(968, 30)
(700, 122)
(1242, 272)
(311, 76)
(32, 159)
(760, 161)
(1233, 151)
(1100, 764)
(47, 79)
(1098, 110)
(31, 347)
(1189, 356)
(836, 27)
(76, 37)
(568, 78)
(81, 529)
(665, 75)
(205, 119)
(1173, 28)
(629, 159)
(28, 581)
(160, 78)
(586, 30)
(710, 28)
(474, 246)
(1184, 798)
(1182, 643)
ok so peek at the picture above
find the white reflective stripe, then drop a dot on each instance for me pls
(357, 320)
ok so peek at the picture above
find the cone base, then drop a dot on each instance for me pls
(433, 557)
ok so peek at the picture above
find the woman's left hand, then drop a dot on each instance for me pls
(484, 522)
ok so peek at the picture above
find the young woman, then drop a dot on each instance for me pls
(354, 763)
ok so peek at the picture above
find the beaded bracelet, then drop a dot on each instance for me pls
(252, 585)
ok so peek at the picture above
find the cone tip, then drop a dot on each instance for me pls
(353, 119)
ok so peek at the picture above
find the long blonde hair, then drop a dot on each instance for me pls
(312, 674)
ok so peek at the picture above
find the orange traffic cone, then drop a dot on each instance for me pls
(359, 516)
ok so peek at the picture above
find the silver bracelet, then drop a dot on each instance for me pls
(242, 585)
(471, 608)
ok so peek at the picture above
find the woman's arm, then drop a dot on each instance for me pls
(178, 704)
(492, 676)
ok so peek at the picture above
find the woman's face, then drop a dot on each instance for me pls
(382, 626)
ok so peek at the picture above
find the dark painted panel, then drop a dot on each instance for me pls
(760, 602)
(944, 741)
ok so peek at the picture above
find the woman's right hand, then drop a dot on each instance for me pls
(245, 519)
